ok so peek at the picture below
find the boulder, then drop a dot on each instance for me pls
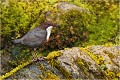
(93, 62)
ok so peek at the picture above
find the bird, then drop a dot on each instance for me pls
(36, 37)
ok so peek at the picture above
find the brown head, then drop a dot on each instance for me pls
(48, 27)
(45, 25)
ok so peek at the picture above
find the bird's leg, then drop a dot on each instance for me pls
(41, 58)
(35, 57)
(35, 52)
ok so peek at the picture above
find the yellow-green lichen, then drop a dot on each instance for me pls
(107, 74)
(108, 44)
(14, 70)
(80, 62)
(98, 59)
(46, 74)
(109, 54)
(118, 75)
(62, 70)
(66, 48)
(53, 54)
(84, 68)
(51, 75)
(42, 67)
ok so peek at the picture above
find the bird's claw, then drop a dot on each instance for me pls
(38, 59)
(35, 59)
(41, 58)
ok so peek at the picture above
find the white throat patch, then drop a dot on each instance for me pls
(48, 32)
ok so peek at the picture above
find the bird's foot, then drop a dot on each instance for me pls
(38, 59)
(41, 58)
(34, 59)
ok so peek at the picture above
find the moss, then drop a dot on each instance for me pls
(118, 75)
(103, 67)
(111, 57)
(14, 70)
(109, 54)
(109, 44)
(112, 75)
(53, 54)
(107, 74)
(42, 67)
(98, 59)
(80, 62)
(83, 66)
(52, 76)
(62, 70)
(66, 48)
(47, 74)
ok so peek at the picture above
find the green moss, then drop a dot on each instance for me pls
(14, 70)
(66, 48)
(98, 59)
(107, 74)
(109, 44)
(53, 54)
(62, 70)
(42, 67)
(55, 64)
(118, 75)
(47, 74)
(80, 62)
(109, 54)
(50, 75)
(83, 66)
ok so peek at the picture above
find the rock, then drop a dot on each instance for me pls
(35, 71)
(69, 60)
(64, 6)
(94, 62)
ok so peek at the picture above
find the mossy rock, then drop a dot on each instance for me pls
(93, 62)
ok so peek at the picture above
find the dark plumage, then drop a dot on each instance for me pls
(37, 36)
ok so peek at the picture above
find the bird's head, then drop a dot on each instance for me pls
(48, 27)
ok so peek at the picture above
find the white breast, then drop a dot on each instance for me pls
(48, 32)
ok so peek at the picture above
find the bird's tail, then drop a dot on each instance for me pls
(17, 41)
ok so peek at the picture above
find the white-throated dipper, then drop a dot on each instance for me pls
(36, 37)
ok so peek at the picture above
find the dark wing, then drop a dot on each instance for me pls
(35, 37)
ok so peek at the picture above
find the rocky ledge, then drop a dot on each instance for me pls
(93, 62)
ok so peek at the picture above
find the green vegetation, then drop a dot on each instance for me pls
(97, 25)
(84, 66)
(15, 70)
